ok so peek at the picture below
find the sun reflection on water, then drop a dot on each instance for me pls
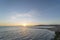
(24, 31)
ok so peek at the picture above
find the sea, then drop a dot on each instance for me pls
(26, 33)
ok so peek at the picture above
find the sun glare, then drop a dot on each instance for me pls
(24, 25)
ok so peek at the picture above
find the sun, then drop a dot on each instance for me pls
(24, 25)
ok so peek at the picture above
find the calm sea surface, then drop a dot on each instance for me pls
(25, 33)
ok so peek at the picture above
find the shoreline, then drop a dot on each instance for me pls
(57, 35)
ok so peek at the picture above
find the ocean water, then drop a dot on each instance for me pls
(25, 33)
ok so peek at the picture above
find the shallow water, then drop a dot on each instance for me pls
(24, 33)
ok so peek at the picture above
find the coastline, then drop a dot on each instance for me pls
(57, 36)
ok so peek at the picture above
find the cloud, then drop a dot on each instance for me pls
(20, 15)
(13, 17)
(24, 16)
(16, 14)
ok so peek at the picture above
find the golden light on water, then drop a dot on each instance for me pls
(24, 30)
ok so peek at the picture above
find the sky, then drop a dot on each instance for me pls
(32, 12)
